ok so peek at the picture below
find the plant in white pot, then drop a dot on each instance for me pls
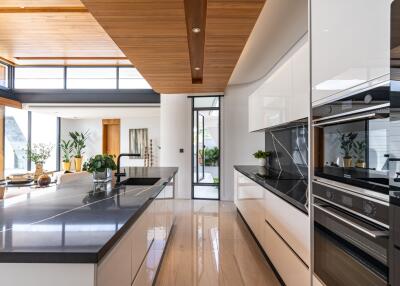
(262, 157)
(100, 166)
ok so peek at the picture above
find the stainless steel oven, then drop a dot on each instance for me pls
(350, 237)
(350, 141)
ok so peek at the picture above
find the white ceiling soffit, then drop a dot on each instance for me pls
(280, 25)
(80, 111)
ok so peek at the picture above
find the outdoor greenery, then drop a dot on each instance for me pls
(79, 142)
(67, 148)
(39, 153)
(347, 143)
(99, 163)
(211, 156)
(262, 154)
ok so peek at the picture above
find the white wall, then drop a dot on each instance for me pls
(94, 144)
(175, 133)
(153, 126)
(238, 144)
(81, 125)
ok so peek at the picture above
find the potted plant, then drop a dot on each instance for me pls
(67, 148)
(347, 144)
(100, 166)
(79, 144)
(38, 154)
(359, 150)
(262, 157)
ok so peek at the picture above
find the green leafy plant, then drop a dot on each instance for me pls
(99, 163)
(79, 142)
(211, 156)
(39, 153)
(261, 154)
(67, 148)
(359, 150)
(347, 143)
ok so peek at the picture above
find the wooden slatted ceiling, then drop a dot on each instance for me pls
(29, 36)
(152, 34)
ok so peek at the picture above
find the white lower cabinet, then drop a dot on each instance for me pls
(289, 266)
(282, 230)
(134, 260)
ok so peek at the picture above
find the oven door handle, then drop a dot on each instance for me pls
(374, 234)
(357, 117)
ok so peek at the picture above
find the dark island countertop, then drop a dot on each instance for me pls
(291, 189)
(77, 223)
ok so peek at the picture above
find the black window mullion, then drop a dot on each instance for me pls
(117, 75)
(65, 77)
(58, 141)
(29, 163)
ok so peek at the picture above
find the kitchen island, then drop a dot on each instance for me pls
(88, 234)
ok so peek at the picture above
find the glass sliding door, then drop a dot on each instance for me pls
(205, 147)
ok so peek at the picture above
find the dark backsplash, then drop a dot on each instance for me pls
(289, 147)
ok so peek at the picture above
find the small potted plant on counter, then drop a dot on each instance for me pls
(100, 166)
(67, 148)
(262, 157)
(38, 154)
(347, 145)
(79, 144)
(359, 149)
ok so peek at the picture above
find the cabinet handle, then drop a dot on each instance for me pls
(373, 234)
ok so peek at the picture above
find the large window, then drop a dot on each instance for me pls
(23, 128)
(44, 130)
(130, 78)
(76, 78)
(15, 141)
(91, 78)
(3, 75)
(39, 78)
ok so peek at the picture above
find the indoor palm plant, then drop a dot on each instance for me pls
(359, 150)
(262, 157)
(79, 144)
(38, 154)
(100, 166)
(67, 148)
(347, 145)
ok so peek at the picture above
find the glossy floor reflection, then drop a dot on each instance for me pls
(210, 245)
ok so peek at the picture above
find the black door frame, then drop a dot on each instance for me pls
(195, 110)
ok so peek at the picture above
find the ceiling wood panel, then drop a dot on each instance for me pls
(41, 3)
(153, 35)
(54, 32)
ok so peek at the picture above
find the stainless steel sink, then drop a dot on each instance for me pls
(140, 181)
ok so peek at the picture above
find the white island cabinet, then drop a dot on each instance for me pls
(284, 94)
(131, 258)
(350, 46)
(282, 230)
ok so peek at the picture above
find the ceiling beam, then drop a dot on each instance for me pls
(73, 9)
(195, 14)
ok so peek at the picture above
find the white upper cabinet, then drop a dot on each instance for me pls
(350, 45)
(284, 94)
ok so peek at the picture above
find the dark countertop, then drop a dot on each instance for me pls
(77, 223)
(293, 191)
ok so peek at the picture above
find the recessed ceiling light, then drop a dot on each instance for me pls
(196, 30)
(196, 68)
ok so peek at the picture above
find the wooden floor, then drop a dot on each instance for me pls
(210, 245)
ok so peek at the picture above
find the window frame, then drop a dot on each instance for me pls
(29, 141)
(11, 77)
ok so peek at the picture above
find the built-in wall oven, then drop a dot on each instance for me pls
(351, 188)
